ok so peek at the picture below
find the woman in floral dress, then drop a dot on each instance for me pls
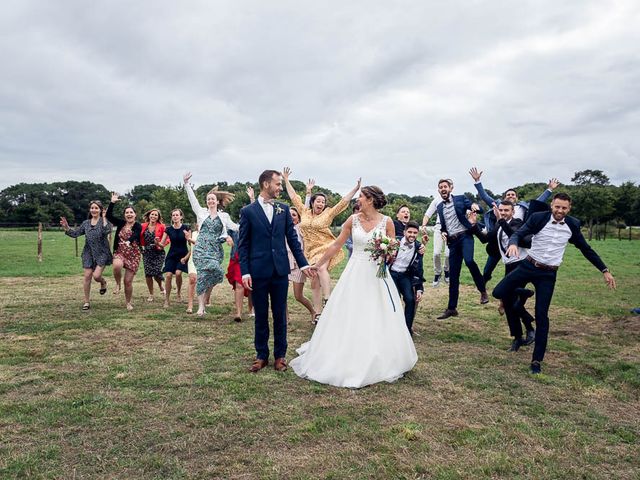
(126, 248)
(152, 250)
(208, 253)
(315, 221)
(95, 254)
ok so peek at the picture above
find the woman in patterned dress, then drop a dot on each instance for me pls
(152, 251)
(315, 221)
(296, 276)
(126, 248)
(176, 261)
(208, 253)
(95, 254)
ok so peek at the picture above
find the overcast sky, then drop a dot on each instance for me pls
(401, 93)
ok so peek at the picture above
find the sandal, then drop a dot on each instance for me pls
(315, 319)
(86, 306)
(129, 307)
(189, 310)
(103, 288)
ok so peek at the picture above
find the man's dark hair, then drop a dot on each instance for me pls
(404, 205)
(266, 176)
(412, 224)
(446, 180)
(562, 196)
(507, 202)
(510, 190)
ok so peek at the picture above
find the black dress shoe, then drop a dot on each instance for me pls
(535, 368)
(484, 298)
(515, 345)
(531, 337)
(448, 313)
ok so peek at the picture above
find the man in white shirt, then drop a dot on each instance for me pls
(551, 231)
(407, 272)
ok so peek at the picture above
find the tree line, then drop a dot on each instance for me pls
(595, 201)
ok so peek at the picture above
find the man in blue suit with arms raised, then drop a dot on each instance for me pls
(265, 226)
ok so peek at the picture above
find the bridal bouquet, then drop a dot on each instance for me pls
(382, 250)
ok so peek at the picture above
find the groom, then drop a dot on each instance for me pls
(265, 228)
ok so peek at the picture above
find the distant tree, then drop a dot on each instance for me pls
(590, 177)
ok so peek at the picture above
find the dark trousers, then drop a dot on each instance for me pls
(490, 266)
(405, 289)
(520, 304)
(462, 249)
(544, 282)
(274, 289)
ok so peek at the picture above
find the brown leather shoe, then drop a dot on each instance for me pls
(280, 364)
(258, 364)
(448, 313)
(484, 298)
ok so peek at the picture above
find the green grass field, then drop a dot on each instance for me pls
(158, 393)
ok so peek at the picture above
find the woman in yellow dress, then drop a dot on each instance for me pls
(315, 223)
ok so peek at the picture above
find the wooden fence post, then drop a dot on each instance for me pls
(40, 241)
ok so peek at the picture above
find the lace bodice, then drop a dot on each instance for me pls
(361, 237)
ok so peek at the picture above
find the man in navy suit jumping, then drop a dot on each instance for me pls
(265, 229)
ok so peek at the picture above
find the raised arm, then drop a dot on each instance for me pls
(72, 232)
(116, 221)
(337, 244)
(295, 198)
(195, 205)
(475, 174)
(342, 205)
(551, 186)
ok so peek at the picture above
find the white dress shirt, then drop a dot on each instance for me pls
(267, 207)
(404, 256)
(548, 245)
(433, 207)
(504, 243)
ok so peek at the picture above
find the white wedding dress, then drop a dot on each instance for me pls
(361, 337)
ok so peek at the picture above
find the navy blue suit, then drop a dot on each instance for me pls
(543, 280)
(490, 220)
(409, 282)
(460, 248)
(263, 254)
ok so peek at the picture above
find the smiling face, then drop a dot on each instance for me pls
(511, 195)
(94, 210)
(129, 214)
(444, 189)
(153, 216)
(404, 214)
(273, 188)
(294, 216)
(560, 209)
(506, 211)
(364, 202)
(411, 234)
(212, 200)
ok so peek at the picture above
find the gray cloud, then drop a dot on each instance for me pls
(400, 93)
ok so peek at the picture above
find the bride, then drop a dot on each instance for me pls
(361, 337)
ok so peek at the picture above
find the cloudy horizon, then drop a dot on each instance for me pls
(399, 93)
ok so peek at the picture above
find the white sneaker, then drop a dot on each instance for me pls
(435, 282)
(446, 280)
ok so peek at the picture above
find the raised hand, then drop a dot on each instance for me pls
(496, 212)
(63, 223)
(251, 194)
(114, 197)
(286, 171)
(553, 184)
(475, 174)
(359, 183)
(310, 184)
(186, 177)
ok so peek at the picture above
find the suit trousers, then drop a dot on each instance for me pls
(462, 249)
(406, 291)
(274, 289)
(544, 282)
(519, 307)
(490, 266)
